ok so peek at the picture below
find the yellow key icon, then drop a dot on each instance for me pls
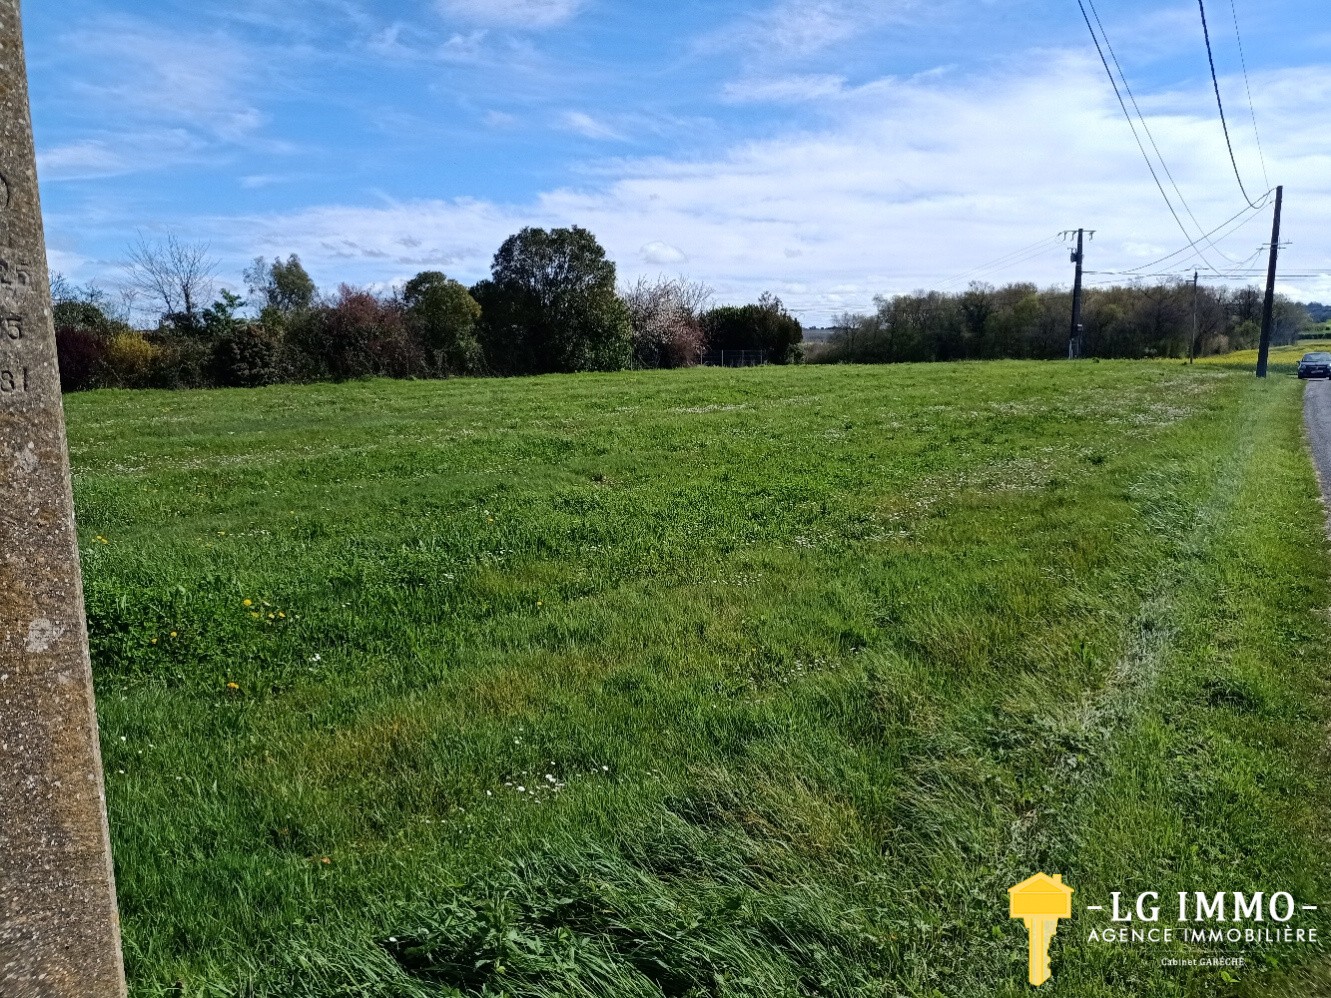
(1040, 901)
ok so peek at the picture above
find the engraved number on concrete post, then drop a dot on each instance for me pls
(11, 327)
(14, 381)
(14, 275)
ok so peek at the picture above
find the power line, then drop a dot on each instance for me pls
(1012, 259)
(1243, 61)
(1169, 256)
(1147, 128)
(1215, 82)
(1149, 165)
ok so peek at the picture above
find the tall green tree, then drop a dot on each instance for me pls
(550, 305)
(281, 286)
(443, 314)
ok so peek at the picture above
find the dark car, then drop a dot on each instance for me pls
(1315, 365)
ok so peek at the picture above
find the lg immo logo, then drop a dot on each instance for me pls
(1040, 901)
(1193, 918)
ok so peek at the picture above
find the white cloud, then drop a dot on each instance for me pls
(71, 265)
(257, 181)
(662, 254)
(588, 127)
(794, 29)
(145, 72)
(84, 159)
(154, 99)
(388, 43)
(909, 184)
(533, 14)
(785, 89)
(465, 48)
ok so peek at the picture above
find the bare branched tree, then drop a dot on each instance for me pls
(177, 275)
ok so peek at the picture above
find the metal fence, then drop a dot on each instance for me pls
(735, 358)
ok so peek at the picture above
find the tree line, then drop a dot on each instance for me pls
(1023, 321)
(551, 304)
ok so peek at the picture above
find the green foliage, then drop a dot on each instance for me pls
(219, 319)
(444, 314)
(766, 326)
(550, 306)
(87, 308)
(357, 335)
(1019, 321)
(797, 670)
(246, 357)
(282, 287)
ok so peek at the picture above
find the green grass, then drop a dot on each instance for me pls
(760, 683)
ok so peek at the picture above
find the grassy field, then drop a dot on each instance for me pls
(735, 683)
(1281, 360)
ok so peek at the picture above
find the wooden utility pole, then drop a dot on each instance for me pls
(1268, 307)
(1192, 343)
(1074, 337)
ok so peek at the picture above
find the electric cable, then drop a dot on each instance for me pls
(1246, 211)
(1243, 61)
(1215, 82)
(1147, 128)
(1149, 165)
(1001, 263)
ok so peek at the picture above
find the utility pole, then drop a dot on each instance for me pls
(1078, 257)
(1268, 307)
(1192, 343)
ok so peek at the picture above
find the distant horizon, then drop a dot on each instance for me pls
(827, 151)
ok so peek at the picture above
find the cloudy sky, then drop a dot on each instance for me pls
(826, 150)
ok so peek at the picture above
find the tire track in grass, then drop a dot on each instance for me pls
(1085, 739)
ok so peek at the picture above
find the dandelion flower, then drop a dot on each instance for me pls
(154, 641)
(255, 614)
(174, 634)
(247, 602)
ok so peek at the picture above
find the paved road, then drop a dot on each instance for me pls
(1317, 415)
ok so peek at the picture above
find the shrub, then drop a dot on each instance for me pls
(129, 360)
(766, 326)
(81, 353)
(357, 335)
(180, 362)
(667, 330)
(245, 358)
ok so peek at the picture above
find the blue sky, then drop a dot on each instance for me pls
(827, 150)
